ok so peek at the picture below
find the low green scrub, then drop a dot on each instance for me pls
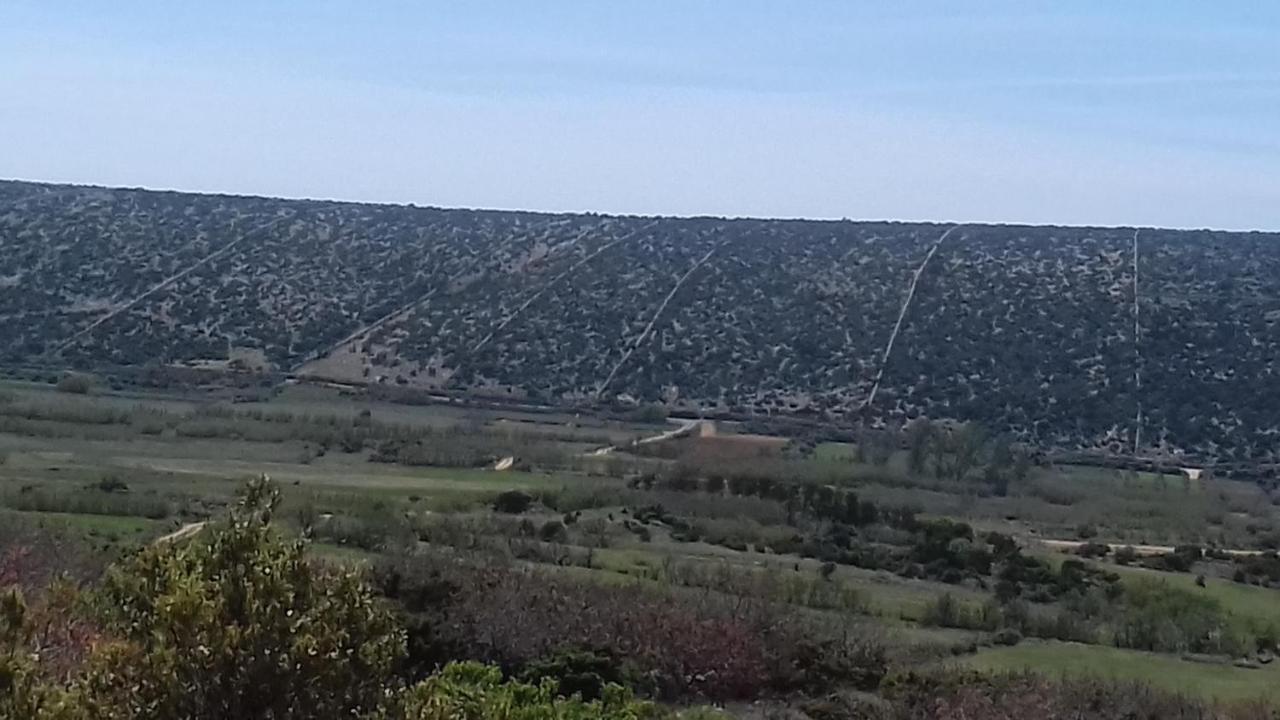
(239, 621)
(1156, 616)
(471, 691)
(812, 590)
(87, 502)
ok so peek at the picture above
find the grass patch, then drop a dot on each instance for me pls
(1243, 601)
(1199, 679)
(123, 528)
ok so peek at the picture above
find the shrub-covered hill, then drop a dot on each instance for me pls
(1071, 337)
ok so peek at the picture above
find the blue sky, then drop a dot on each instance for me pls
(1152, 113)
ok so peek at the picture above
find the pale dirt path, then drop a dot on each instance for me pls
(902, 314)
(654, 320)
(1069, 545)
(686, 427)
(181, 533)
(168, 281)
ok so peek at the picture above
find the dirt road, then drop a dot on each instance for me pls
(1146, 550)
(181, 533)
(686, 427)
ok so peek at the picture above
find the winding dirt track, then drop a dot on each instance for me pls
(686, 427)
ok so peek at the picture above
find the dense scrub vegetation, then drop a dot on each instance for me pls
(240, 622)
(1029, 330)
(242, 625)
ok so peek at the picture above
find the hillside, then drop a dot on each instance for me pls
(1043, 331)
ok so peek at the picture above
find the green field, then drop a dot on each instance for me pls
(1203, 679)
(1244, 601)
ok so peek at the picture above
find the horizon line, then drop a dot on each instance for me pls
(609, 213)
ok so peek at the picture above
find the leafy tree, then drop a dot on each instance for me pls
(238, 625)
(875, 446)
(1008, 465)
(920, 437)
(959, 451)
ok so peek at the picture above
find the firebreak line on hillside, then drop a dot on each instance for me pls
(404, 310)
(1137, 349)
(553, 282)
(902, 314)
(648, 330)
(164, 284)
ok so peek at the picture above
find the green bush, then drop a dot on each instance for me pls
(583, 673)
(948, 612)
(512, 502)
(75, 383)
(1093, 550)
(1159, 617)
(1007, 637)
(471, 691)
(552, 531)
(111, 484)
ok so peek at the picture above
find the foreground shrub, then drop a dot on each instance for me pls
(32, 556)
(240, 625)
(22, 695)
